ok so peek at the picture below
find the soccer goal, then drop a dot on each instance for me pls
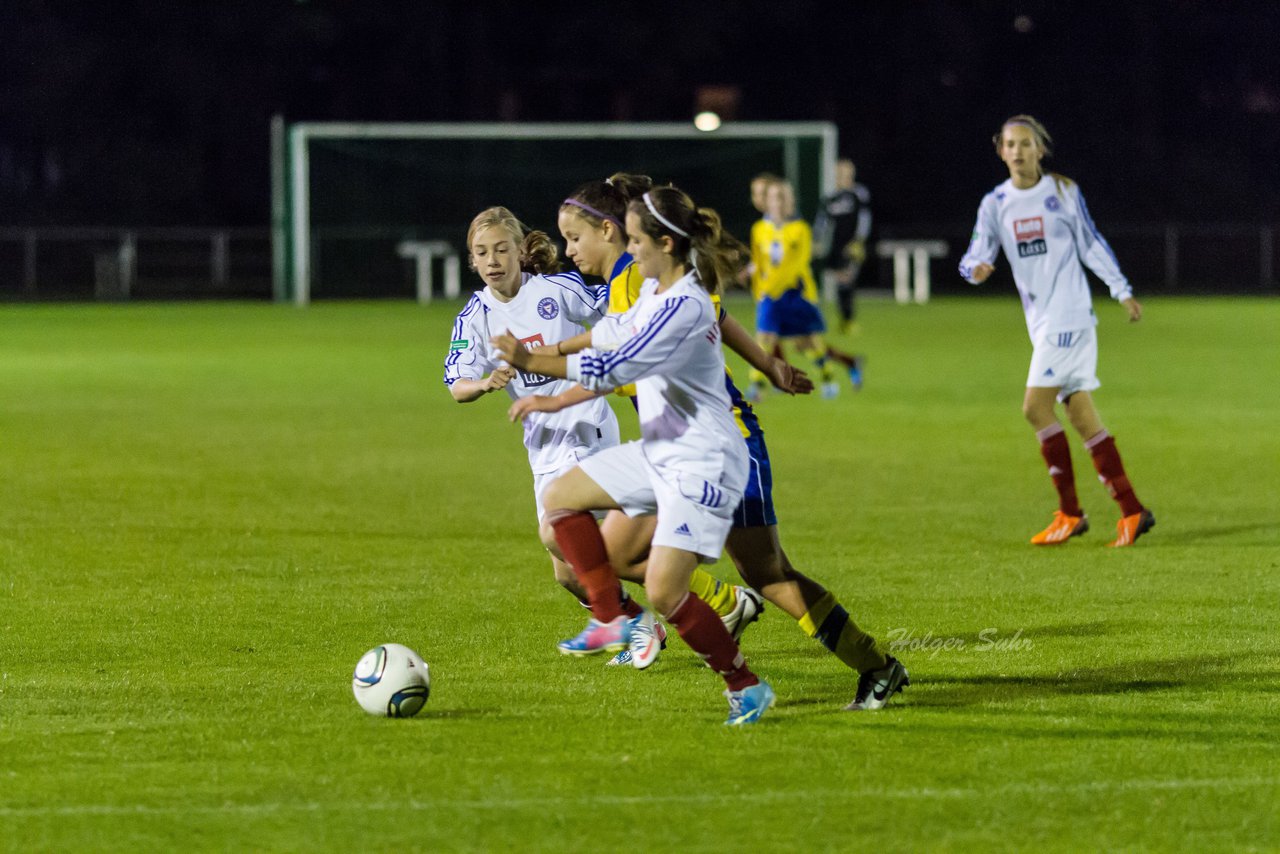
(369, 210)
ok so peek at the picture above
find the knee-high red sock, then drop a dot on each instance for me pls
(578, 537)
(1057, 456)
(1106, 459)
(702, 630)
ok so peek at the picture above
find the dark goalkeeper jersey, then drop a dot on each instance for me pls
(844, 217)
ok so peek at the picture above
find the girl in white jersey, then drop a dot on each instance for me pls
(1045, 229)
(525, 293)
(690, 466)
(588, 222)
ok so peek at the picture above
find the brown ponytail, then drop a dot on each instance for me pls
(538, 254)
(598, 201)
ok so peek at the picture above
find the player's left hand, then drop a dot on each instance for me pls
(532, 403)
(787, 377)
(511, 349)
(1134, 308)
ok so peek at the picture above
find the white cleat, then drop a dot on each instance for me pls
(647, 639)
(747, 610)
(875, 687)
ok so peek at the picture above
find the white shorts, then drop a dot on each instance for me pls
(694, 514)
(608, 439)
(1067, 361)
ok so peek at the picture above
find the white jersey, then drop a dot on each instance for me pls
(1045, 231)
(545, 310)
(668, 344)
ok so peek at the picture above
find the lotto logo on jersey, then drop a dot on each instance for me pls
(1030, 236)
(533, 342)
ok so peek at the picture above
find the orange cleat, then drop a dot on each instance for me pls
(1130, 528)
(1061, 529)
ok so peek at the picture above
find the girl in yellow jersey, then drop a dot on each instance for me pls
(786, 294)
(588, 220)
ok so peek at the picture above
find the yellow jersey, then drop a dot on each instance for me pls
(624, 289)
(782, 254)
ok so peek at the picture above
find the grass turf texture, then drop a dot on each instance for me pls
(211, 511)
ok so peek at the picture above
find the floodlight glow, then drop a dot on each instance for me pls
(706, 121)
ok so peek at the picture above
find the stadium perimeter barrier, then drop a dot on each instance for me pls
(101, 263)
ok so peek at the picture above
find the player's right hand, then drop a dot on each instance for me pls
(510, 349)
(499, 379)
(788, 378)
(981, 272)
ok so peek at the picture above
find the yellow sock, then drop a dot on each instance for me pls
(829, 622)
(720, 596)
(819, 358)
(756, 377)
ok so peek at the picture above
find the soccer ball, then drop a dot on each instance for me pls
(391, 680)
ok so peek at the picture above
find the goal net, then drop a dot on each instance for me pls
(349, 198)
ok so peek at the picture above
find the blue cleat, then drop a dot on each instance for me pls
(746, 706)
(855, 373)
(599, 637)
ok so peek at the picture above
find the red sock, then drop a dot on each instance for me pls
(1106, 459)
(578, 537)
(1057, 455)
(702, 630)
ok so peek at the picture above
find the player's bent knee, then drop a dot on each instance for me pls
(665, 602)
(548, 536)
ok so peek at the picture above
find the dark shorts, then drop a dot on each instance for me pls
(789, 315)
(756, 509)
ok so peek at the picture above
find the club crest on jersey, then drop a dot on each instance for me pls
(1052, 203)
(1030, 236)
(547, 308)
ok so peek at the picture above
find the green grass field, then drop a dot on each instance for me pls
(211, 511)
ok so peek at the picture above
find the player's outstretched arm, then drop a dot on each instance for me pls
(465, 391)
(785, 377)
(576, 344)
(550, 403)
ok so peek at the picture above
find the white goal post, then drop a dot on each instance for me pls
(294, 180)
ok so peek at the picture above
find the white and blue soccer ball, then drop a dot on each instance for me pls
(391, 680)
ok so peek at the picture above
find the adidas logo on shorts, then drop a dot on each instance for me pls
(684, 529)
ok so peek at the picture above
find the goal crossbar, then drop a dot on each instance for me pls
(291, 173)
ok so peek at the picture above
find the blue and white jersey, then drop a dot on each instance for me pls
(1046, 232)
(668, 344)
(545, 310)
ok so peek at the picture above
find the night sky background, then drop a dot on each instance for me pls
(156, 112)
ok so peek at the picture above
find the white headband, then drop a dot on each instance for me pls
(648, 203)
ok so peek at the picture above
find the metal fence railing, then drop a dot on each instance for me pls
(103, 263)
(134, 263)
